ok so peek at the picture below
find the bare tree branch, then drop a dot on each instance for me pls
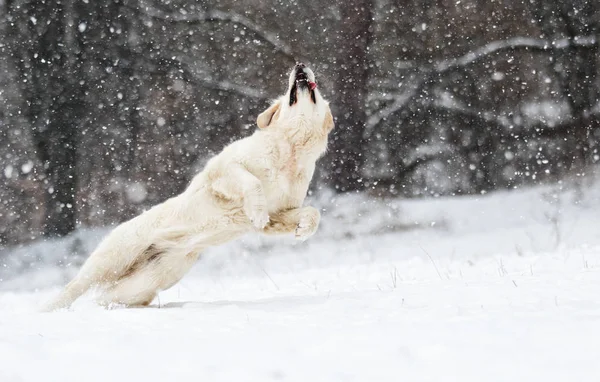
(444, 66)
(487, 116)
(567, 129)
(216, 15)
(227, 86)
(400, 100)
(191, 75)
(513, 44)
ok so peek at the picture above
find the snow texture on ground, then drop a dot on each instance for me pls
(492, 288)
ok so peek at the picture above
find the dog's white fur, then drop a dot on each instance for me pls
(256, 183)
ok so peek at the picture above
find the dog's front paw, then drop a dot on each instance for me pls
(308, 223)
(258, 217)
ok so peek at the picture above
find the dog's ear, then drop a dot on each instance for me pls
(328, 124)
(266, 117)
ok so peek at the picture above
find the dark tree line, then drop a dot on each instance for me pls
(107, 108)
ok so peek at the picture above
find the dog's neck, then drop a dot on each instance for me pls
(306, 142)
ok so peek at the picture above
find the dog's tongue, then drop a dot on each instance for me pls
(312, 85)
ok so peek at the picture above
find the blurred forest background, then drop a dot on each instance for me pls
(109, 107)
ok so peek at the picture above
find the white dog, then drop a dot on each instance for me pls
(257, 183)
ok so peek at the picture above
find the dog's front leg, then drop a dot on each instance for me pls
(303, 222)
(240, 183)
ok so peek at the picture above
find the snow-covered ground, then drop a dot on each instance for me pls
(502, 287)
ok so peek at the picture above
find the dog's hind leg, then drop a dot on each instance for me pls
(98, 269)
(78, 286)
(132, 291)
(145, 279)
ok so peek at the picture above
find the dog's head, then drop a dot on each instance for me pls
(302, 106)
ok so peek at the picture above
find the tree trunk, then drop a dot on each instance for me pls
(46, 50)
(350, 94)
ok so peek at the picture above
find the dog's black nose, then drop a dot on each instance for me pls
(300, 65)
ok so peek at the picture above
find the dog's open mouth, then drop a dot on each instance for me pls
(301, 76)
(302, 83)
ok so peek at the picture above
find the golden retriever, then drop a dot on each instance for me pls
(257, 183)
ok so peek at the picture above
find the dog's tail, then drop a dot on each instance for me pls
(78, 286)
